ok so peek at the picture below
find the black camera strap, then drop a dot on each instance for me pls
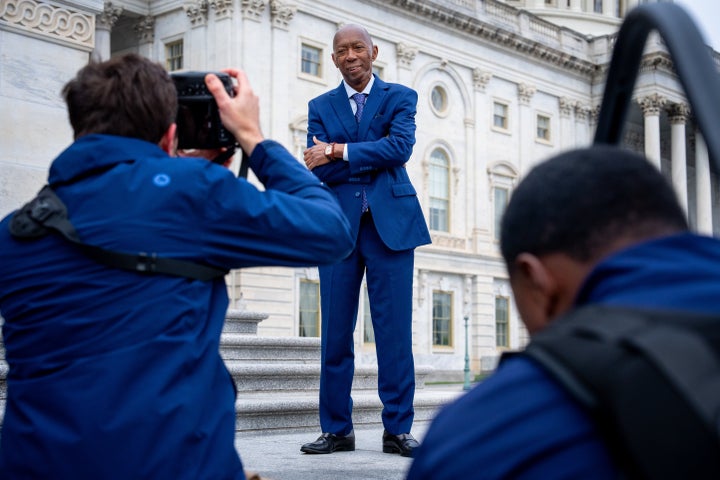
(46, 213)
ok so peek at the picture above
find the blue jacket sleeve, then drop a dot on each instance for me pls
(294, 221)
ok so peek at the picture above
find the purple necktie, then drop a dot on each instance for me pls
(360, 102)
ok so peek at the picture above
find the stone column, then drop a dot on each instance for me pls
(252, 28)
(104, 23)
(224, 35)
(281, 14)
(651, 106)
(197, 13)
(703, 194)
(405, 55)
(145, 29)
(565, 106)
(678, 117)
(576, 5)
(582, 128)
(527, 125)
(476, 143)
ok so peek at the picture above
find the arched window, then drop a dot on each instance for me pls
(439, 190)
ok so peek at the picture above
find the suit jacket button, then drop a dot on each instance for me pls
(357, 194)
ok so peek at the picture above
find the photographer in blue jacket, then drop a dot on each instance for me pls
(116, 373)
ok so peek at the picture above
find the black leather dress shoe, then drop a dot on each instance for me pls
(329, 443)
(404, 444)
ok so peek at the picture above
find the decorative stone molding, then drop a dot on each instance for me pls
(652, 104)
(525, 93)
(481, 79)
(145, 29)
(282, 13)
(448, 242)
(197, 12)
(679, 113)
(594, 114)
(252, 9)
(49, 21)
(581, 111)
(223, 8)
(109, 16)
(421, 286)
(566, 106)
(405, 54)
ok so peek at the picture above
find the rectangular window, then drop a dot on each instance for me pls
(439, 183)
(598, 6)
(174, 55)
(500, 115)
(311, 60)
(442, 319)
(309, 308)
(502, 316)
(368, 332)
(500, 201)
(543, 128)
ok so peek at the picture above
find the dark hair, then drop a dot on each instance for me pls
(128, 95)
(580, 201)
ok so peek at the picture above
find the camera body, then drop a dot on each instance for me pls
(198, 118)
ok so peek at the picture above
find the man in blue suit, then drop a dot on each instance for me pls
(360, 135)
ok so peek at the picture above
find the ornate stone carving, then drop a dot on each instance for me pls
(282, 13)
(58, 23)
(566, 107)
(525, 93)
(679, 113)
(109, 16)
(197, 12)
(223, 8)
(594, 114)
(145, 29)
(652, 104)
(252, 9)
(581, 111)
(481, 79)
(405, 54)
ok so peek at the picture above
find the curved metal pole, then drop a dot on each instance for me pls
(693, 63)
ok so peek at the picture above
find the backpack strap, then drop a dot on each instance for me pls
(650, 381)
(47, 213)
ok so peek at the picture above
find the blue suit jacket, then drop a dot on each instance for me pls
(378, 148)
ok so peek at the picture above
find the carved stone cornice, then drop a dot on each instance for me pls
(405, 54)
(145, 29)
(282, 13)
(197, 12)
(467, 23)
(566, 107)
(525, 93)
(223, 8)
(481, 79)
(652, 104)
(252, 9)
(40, 19)
(109, 16)
(594, 114)
(679, 113)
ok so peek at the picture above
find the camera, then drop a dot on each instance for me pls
(198, 118)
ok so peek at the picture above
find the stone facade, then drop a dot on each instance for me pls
(502, 85)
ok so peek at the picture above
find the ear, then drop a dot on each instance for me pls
(168, 142)
(374, 52)
(536, 291)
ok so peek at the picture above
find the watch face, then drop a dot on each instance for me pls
(328, 149)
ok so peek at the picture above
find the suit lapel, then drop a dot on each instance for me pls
(341, 105)
(374, 100)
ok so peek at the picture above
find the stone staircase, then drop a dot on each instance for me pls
(278, 379)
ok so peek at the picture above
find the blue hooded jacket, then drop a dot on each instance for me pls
(520, 423)
(115, 374)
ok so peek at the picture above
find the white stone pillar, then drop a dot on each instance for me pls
(527, 125)
(582, 128)
(704, 223)
(576, 5)
(145, 29)
(104, 23)
(651, 106)
(281, 14)
(477, 156)
(608, 7)
(224, 33)
(566, 106)
(678, 117)
(194, 54)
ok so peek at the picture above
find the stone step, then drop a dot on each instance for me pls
(299, 410)
(270, 350)
(262, 377)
